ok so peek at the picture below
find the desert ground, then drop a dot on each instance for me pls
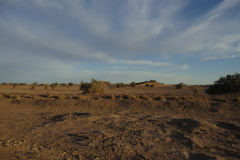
(161, 123)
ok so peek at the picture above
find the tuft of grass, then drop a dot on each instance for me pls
(33, 86)
(149, 84)
(146, 97)
(93, 87)
(82, 98)
(15, 85)
(176, 97)
(53, 86)
(16, 97)
(130, 97)
(61, 97)
(110, 97)
(180, 85)
(121, 85)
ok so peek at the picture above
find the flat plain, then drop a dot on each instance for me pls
(161, 123)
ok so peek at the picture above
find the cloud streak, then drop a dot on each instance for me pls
(145, 33)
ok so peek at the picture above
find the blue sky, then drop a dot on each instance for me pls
(171, 41)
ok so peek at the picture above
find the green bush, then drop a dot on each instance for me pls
(228, 84)
(180, 85)
(93, 87)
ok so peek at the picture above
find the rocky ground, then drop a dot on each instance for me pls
(120, 126)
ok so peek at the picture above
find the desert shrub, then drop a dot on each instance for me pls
(35, 97)
(161, 98)
(70, 84)
(121, 85)
(133, 84)
(16, 97)
(4, 83)
(130, 96)
(33, 86)
(195, 90)
(180, 85)
(61, 97)
(80, 97)
(149, 84)
(53, 86)
(109, 97)
(146, 97)
(35, 83)
(93, 87)
(176, 98)
(14, 85)
(228, 84)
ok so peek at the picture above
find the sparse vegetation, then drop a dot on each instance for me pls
(228, 84)
(180, 85)
(53, 86)
(121, 85)
(146, 97)
(15, 85)
(133, 84)
(33, 86)
(60, 97)
(149, 84)
(70, 84)
(93, 87)
(80, 97)
(161, 98)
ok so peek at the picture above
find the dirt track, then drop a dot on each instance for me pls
(189, 126)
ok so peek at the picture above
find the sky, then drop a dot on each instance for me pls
(171, 41)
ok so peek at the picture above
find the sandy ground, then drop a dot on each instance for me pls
(188, 125)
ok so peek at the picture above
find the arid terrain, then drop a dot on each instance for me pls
(161, 123)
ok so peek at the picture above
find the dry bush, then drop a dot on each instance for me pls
(80, 97)
(133, 84)
(110, 97)
(146, 97)
(161, 98)
(46, 87)
(130, 97)
(176, 98)
(93, 87)
(33, 86)
(53, 86)
(14, 85)
(60, 97)
(195, 90)
(180, 85)
(121, 85)
(35, 97)
(70, 84)
(16, 97)
(149, 84)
